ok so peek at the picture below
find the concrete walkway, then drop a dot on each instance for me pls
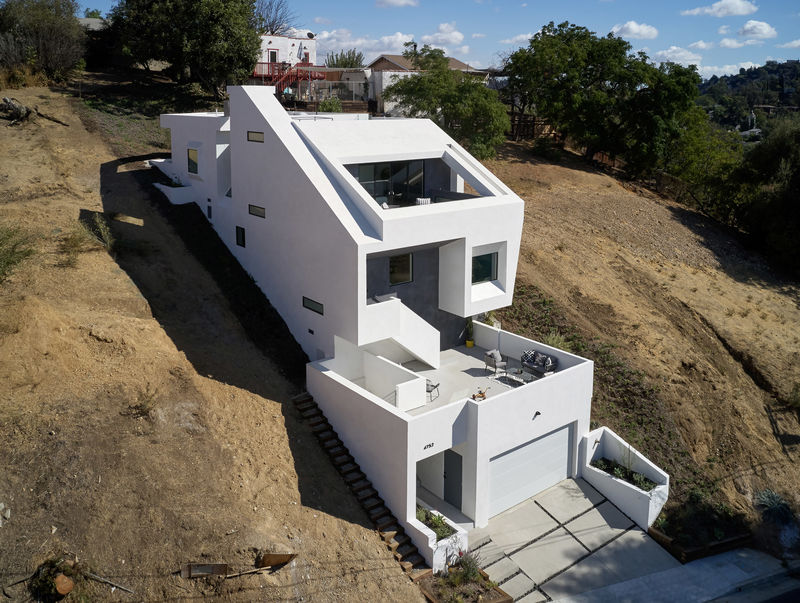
(565, 541)
(711, 578)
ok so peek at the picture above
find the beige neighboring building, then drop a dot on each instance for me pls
(388, 68)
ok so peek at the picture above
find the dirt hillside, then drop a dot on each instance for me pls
(140, 427)
(710, 326)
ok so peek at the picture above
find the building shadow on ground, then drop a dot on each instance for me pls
(198, 291)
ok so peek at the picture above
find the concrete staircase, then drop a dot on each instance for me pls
(385, 522)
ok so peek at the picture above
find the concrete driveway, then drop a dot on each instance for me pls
(564, 541)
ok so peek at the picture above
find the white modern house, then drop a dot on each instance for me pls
(376, 240)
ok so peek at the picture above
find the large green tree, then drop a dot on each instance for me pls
(44, 34)
(599, 93)
(458, 102)
(346, 59)
(208, 41)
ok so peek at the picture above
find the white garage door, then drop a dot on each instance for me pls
(528, 469)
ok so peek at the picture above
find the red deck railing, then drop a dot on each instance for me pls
(285, 73)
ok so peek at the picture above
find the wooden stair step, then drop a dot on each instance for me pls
(353, 476)
(337, 450)
(302, 397)
(341, 459)
(309, 414)
(327, 435)
(371, 503)
(388, 528)
(418, 574)
(405, 550)
(397, 541)
(409, 563)
(331, 443)
(349, 468)
(319, 425)
(306, 405)
(365, 493)
(379, 512)
(360, 485)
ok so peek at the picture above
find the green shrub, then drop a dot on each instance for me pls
(15, 246)
(331, 105)
(774, 507)
(435, 522)
(556, 340)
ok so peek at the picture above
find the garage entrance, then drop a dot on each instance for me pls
(526, 470)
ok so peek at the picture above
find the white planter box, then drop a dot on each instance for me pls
(642, 507)
(436, 553)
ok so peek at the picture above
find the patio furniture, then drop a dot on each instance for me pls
(494, 359)
(538, 363)
(431, 387)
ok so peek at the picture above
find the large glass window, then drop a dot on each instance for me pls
(393, 182)
(484, 268)
(400, 269)
(192, 158)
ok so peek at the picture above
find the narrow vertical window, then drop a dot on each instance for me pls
(208, 211)
(240, 236)
(193, 159)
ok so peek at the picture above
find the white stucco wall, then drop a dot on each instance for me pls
(287, 49)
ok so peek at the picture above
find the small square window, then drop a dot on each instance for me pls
(484, 268)
(255, 210)
(255, 136)
(400, 269)
(240, 236)
(208, 211)
(312, 305)
(193, 159)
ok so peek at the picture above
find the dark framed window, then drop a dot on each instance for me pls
(256, 210)
(192, 160)
(208, 211)
(401, 269)
(312, 305)
(240, 236)
(393, 182)
(255, 136)
(484, 268)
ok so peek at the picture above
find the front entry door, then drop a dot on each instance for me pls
(452, 478)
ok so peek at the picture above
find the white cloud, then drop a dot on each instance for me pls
(758, 29)
(637, 31)
(524, 4)
(731, 43)
(338, 39)
(792, 44)
(479, 35)
(321, 20)
(724, 30)
(518, 39)
(724, 8)
(445, 34)
(389, 3)
(706, 71)
(462, 50)
(676, 54)
(700, 45)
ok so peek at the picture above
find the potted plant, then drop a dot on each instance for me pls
(470, 340)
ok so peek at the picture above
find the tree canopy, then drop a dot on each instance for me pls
(43, 34)
(345, 59)
(458, 102)
(208, 41)
(596, 91)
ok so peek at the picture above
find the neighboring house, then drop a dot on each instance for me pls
(284, 61)
(388, 68)
(362, 236)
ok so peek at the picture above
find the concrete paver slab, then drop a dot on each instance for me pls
(518, 586)
(489, 553)
(519, 525)
(569, 498)
(502, 570)
(549, 555)
(589, 574)
(534, 597)
(635, 554)
(599, 525)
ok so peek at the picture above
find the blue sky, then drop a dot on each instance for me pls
(719, 37)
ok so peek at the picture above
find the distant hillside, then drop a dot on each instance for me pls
(766, 91)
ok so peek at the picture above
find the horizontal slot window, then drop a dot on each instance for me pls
(255, 136)
(312, 305)
(256, 210)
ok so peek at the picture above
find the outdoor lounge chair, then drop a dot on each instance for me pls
(494, 359)
(431, 387)
(538, 363)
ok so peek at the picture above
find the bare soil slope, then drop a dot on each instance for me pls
(140, 427)
(703, 318)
